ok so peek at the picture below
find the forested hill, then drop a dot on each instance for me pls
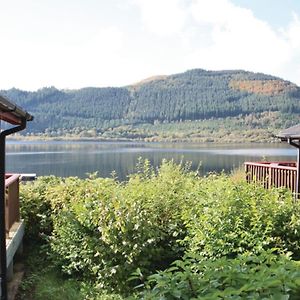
(146, 109)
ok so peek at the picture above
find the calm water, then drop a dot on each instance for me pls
(78, 158)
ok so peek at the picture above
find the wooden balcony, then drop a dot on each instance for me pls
(272, 174)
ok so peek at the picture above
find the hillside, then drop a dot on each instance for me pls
(194, 105)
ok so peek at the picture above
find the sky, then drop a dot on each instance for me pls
(72, 44)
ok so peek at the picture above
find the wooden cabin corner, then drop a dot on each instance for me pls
(11, 225)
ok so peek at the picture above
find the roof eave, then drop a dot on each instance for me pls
(12, 113)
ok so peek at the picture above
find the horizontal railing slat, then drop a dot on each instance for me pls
(12, 178)
(271, 165)
(272, 174)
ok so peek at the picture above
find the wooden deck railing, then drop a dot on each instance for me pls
(272, 174)
(12, 204)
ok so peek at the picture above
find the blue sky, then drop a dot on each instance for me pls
(76, 43)
(276, 12)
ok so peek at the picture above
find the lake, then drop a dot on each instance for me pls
(79, 158)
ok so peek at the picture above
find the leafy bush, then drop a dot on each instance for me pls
(266, 276)
(228, 218)
(35, 206)
(107, 229)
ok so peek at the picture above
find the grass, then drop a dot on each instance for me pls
(238, 174)
(51, 286)
(42, 281)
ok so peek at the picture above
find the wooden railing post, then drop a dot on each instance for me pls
(247, 173)
(270, 177)
(12, 203)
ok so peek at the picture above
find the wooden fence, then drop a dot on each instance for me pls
(272, 174)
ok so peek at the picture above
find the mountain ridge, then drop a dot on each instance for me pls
(193, 96)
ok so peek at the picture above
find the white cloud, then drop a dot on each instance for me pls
(66, 65)
(291, 68)
(217, 34)
(141, 38)
(163, 18)
(239, 39)
(293, 32)
(217, 12)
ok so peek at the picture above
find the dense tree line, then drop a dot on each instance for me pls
(193, 95)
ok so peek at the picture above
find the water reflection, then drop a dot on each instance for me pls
(78, 158)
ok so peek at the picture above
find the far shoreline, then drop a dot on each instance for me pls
(206, 140)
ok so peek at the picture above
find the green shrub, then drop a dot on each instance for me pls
(94, 292)
(266, 276)
(228, 218)
(35, 206)
(108, 229)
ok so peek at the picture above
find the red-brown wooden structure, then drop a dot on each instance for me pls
(272, 174)
(11, 230)
(279, 174)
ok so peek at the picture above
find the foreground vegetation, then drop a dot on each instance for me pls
(163, 234)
